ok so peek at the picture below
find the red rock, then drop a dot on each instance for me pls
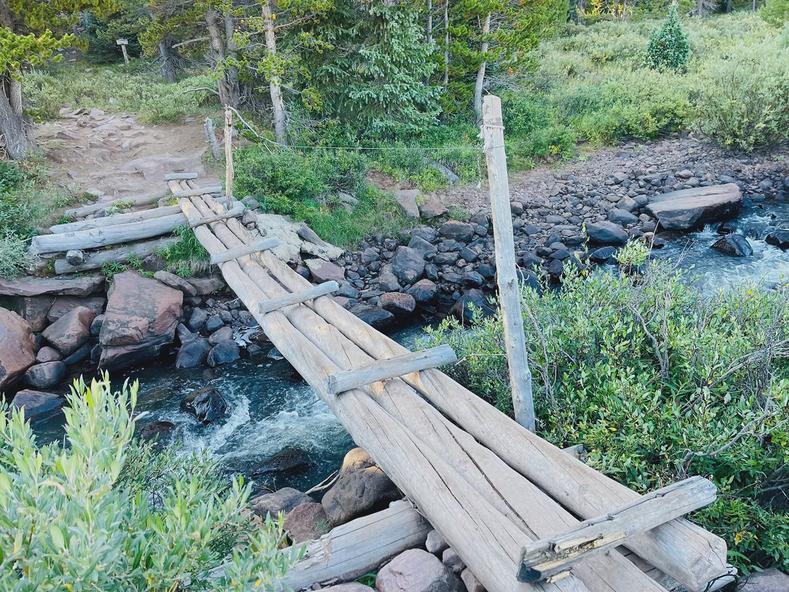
(323, 271)
(64, 304)
(397, 303)
(306, 522)
(71, 330)
(17, 347)
(416, 570)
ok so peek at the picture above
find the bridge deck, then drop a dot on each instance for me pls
(485, 483)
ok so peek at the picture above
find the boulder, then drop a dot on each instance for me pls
(71, 330)
(461, 231)
(82, 354)
(288, 461)
(373, 315)
(435, 543)
(452, 560)
(408, 264)
(606, 233)
(397, 303)
(140, 320)
(422, 246)
(432, 208)
(306, 522)
(602, 255)
(175, 282)
(207, 285)
(406, 199)
(622, 217)
(192, 353)
(45, 375)
(64, 304)
(387, 281)
(17, 347)
(223, 352)
(324, 271)
(472, 302)
(33, 286)
(361, 488)
(734, 244)
(34, 309)
(213, 323)
(416, 570)
(769, 580)
(282, 500)
(206, 404)
(688, 208)
(778, 238)
(48, 354)
(156, 430)
(36, 403)
(424, 291)
(222, 334)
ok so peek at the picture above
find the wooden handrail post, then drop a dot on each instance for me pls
(506, 273)
(229, 171)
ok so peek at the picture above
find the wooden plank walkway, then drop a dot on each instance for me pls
(485, 483)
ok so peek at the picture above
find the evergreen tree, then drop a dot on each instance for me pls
(669, 46)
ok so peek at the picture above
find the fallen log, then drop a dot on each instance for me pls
(134, 201)
(94, 238)
(359, 546)
(180, 176)
(116, 219)
(97, 259)
(209, 189)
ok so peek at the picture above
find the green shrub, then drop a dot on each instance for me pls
(102, 512)
(10, 176)
(186, 257)
(776, 12)
(743, 101)
(669, 46)
(659, 382)
(14, 258)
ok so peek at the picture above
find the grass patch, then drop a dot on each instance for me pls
(186, 257)
(138, 89)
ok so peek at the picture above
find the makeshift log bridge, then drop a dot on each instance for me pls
(510, 503)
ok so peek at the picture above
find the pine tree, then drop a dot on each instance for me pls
(669, 46)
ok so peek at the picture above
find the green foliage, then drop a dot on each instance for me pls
(743, 102)
(669, 46)
(187, 256)
(372, 68)
(103, 512)
(659, 382)
(14, 258)
(776, 12)
(138, 90)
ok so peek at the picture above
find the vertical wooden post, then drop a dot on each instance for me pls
(123, 43)
(229, 171)
(507, 278)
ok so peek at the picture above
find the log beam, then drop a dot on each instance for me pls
(97, 259)
(553, 556)
(237, 210)
(273, 304)
(390, 368)
(209, 189)
(180, 176)
(262, 245)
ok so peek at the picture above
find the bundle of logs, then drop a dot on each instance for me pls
(93, 240)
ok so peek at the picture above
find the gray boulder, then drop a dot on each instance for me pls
(424, 291)
(688, 208)
(48, 354)
(36, 403)
(223, 352)
(282, 500)
(406, 199)
(192, 353)
(324, 271)
(45, 375)
(398, 303)
(373, 315)
(206, 404)
(606, 233)
(461, 231)
(734, 244)
(416, 570)
(769, 580)
(408, 264)
(622, 216)
(778, 238)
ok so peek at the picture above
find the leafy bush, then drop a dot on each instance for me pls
(14, 258)
(743, 101)
(658, 383)
(776, 12)
(669, 46)
(105, 513)
(186, 257)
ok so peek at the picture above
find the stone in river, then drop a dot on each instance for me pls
(36, 403)
(734, 244)
(282, 500)
(222, 334)
(689, 208)
(192, 353)
(606, 233)
(206, 404)
(416, 570)
(288, 461)
(45, 375)
(71, 330)
(223, 352)
(778, 238)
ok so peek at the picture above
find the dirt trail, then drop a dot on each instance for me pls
(114, 156)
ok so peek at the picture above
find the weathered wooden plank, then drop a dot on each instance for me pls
(208, 189)
(548, 557)
(390, 368)
(94, 238)
(261, 245)
(126, 218)
(180, 176)
(685, 551)
(96, 259)
(298, 297)
(480, 468)
(133, 201)
(359, 546)
(238, 210)
(506, 269)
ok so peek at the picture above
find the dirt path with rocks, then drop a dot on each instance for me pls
(113, 155)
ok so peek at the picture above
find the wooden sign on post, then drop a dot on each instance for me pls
(506, 273)
(123, 43)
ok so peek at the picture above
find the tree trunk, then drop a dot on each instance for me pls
(231, 72)
(12, 124)
(446, 43)
(168, 60)
(227, 85)
(429, 24)
(275, 90)
(479, 85)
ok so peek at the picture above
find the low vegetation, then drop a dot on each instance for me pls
(658, 383)
(106, 512)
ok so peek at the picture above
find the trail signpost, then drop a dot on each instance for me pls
(123, 43)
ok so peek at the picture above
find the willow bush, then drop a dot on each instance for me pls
(103, 512)
(659, 382)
